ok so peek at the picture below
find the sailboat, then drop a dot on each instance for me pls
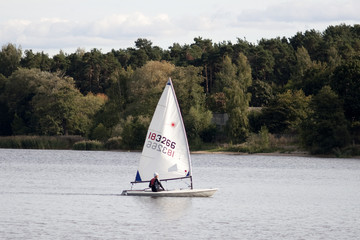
(166, 151)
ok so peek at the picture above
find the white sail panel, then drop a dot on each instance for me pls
(166, 148)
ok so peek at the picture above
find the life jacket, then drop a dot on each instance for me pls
(152, 181)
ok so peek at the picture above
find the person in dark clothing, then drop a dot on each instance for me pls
(155, 184)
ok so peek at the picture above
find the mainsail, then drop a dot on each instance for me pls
(166, 149)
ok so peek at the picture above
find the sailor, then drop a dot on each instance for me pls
(155, 183)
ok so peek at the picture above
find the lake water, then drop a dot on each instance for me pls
(49, 194)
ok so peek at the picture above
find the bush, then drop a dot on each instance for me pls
(350, 151)
(88, 145)
(38, 142)
(100, 133)
(258, 143)
(264, 142)
(134, 132)
(196, 144)
(114, 143)
(326, 128)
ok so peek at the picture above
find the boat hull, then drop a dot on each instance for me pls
(172, 193)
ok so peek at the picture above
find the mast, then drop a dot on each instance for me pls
(183, 127)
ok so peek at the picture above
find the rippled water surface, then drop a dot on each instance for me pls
(46, 194)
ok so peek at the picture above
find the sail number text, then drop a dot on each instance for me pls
(161, 144)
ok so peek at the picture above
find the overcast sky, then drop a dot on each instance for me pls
(53, 25)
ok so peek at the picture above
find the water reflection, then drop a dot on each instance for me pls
(74, 195)
(170, 208)
(62, 194)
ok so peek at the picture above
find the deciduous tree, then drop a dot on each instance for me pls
(326, 127)
(286, 112)
(346, 83)
(236, 78)
(147, 85)
(10, 57)
(191, 97)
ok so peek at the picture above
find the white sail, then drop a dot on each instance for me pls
(166, 150)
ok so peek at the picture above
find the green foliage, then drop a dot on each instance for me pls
(93, 71)
(47, 104)
(100, 133)
(60, 62)
(3, 81)
(18, 99)
(18, 126)
(260, 142)
(262, 62)
(191, 97)
(88, 145)
(286, 112)
(39, 60)
(261, 93)
(326, 127)
(344, 39)
(303, 64)
(346, 83)
(312, 40)
(308, 75)
(283, 55)
(114, 143)
(5, 118)
(255, 119)
(38, 142)
(209, 134)
(65, 94)
(315, 78)
(55, 108)
(236, 79)
(263, 142)
(147, 84)
(226, 76)
(355, 131)
(10, 57)
(264, 137)
(187, 83)
(217, 102)
(111, 113)
(197, 122)
(89, 107)
(237, 126)
(349, 151)
(134, 132)
(118, 91)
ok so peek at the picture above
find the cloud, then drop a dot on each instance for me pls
(114, 31)
(219, 22)
(130, 25)
(305, 11)
(55, 32)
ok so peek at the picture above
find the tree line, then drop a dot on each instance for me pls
(307, 85)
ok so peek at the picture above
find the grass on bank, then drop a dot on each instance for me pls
(59, 142)
(50, 142)
(39, 142)
(88, 145)
(263, 142)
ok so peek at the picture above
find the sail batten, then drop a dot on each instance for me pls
(165, 149)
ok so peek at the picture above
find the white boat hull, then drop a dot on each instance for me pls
(172, 193)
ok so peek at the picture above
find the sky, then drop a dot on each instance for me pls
(54, 25)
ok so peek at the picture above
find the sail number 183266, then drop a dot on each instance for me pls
(161, 144)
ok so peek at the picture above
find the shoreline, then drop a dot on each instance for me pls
(299, 154)
(279, 154)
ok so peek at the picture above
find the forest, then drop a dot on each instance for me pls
(301, 91)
